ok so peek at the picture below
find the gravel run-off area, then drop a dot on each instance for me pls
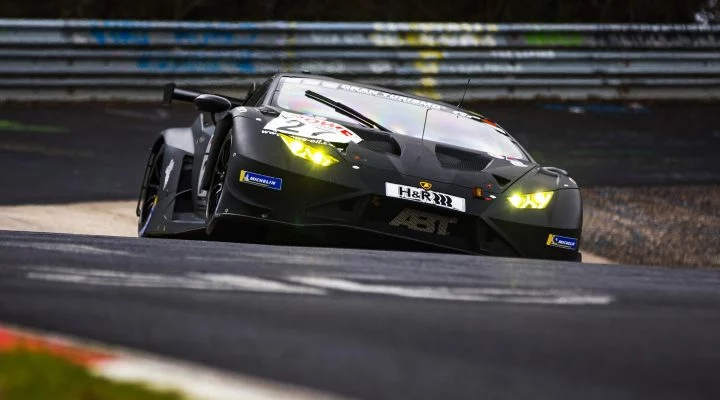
(660, 225)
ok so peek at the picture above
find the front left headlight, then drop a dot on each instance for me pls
(538, 200)
(302, 149)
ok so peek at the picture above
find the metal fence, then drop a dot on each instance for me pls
(131, 60)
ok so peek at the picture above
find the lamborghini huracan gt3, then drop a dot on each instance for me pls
(312, 159)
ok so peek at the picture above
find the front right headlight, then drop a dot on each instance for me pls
(302, 149)
(538, 200)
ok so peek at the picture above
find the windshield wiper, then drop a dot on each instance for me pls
(346, 111)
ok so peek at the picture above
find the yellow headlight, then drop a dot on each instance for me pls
(537, 200)
(303, 150)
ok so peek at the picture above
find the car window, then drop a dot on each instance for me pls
(460, 129)
(401, 114)
(259, 94)
(399, 117)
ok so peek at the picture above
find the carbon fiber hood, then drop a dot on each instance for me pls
(433, 161)
(425, 159)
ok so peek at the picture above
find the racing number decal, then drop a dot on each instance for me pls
(310, 127)
(424, 222)
(296, 129)
(293, 128)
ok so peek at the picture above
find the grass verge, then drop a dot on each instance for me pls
(28, 375)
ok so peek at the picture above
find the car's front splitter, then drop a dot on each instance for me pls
(273, 197)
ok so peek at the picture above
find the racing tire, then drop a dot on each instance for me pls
(150, 193)
(218, 180)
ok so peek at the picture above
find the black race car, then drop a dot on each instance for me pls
(316, 160)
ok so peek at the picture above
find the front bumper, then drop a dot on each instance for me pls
(345, 206)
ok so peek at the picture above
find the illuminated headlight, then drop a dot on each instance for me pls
(537, 200)
(311, 153)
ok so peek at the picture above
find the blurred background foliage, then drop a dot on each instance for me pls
(499, 11)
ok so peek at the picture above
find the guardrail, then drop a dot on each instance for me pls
(130, 60)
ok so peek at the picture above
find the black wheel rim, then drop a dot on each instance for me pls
(152, 189)
(217, 182)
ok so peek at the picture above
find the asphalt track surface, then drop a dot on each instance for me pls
(89, 152)
(369, 324)
(378, 325)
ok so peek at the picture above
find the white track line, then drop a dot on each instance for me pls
(471, 294)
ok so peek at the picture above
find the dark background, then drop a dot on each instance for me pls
(494, 11)
(89, 152)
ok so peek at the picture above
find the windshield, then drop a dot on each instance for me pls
(464, 130)
(400, 114)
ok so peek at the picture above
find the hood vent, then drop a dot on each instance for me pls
(376, 141)
(501, 180)
(454, 158)
(382, 146)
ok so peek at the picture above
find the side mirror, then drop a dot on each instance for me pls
(211, 103)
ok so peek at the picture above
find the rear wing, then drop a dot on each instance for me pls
(172, 92)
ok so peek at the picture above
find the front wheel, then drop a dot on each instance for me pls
(231, 231)
(150, 191)
(218, 177)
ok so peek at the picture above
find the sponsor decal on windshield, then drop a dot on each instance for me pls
(312, 82)
(392, 96)
(424, 196)
(367, 91)
(310, 127)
